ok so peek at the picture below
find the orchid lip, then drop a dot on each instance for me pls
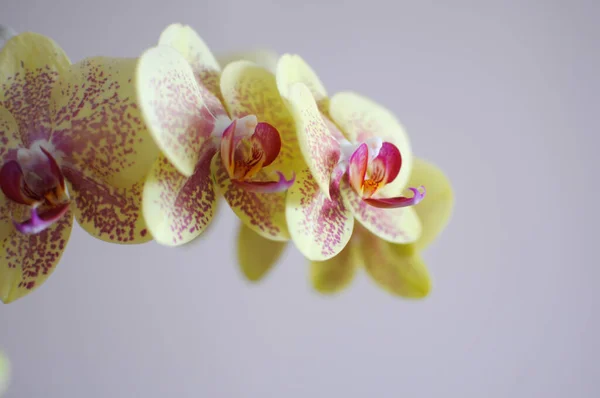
(267, 186)
(400, 201)
(40, 221)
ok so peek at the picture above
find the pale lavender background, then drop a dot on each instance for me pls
(503, 95)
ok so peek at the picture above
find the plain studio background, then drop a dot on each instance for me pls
(502, 95)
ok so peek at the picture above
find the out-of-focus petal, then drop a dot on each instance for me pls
(291, 69)
(262, 57)
(189, 44)
(6, 32)
(5, 372)
(257, 255)
(180, 113)
(105, 212)
(30, 65)
(264, 213)
(178, 209)
(396, 268)
(98, 124)
(400, 225)
(320, 227)
(320, 149)
(26, 261)
(435, 211)
(361, 119)
(251, 90)
(335, 274)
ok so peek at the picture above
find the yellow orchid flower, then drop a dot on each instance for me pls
(225, 131)
(72, 145)
(321, 215)
(352, 171)
(4, 373)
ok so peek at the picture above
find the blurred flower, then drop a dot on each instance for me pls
(6, 32)
(72, 144)
(4, 373)
(227, 131)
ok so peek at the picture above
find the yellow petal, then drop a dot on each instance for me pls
(319, 227)
(98, 124)
(291, 69)
(399, 225)
(361, 118)
(30, 65)
(435, 210)
(257, 255)
(317, 142)
(249, 89)
(335, 274)
(189, 44)
(26, 261)
(398, 269)
(105, 212)
(177, 209)
(9, 141)
(180, 113)
(264, 213)
(6, 32)
(264, 58)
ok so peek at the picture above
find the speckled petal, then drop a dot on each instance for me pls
(399, 225)
(264, 213)
(335, 274)
(180, 113)
(397, 269)
(263, 58)
(257, 255)
(26, 261)
(178, 209)
(319, 227)
(251, 90)
(105, 212)
(30, 65)
(435, 210)
(291, 68)
(361, 118)
(98, 124)
(319, 148)
(189, 44)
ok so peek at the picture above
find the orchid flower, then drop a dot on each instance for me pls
(357, 161)
(397, 268)
(72, 144)
(223, 132)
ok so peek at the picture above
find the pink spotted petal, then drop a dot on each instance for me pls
(358, 167)
(400, 201)
(267, 186)
(390, 159)
(227, 148)
(40, 221)
(11, 179)
(270, 141)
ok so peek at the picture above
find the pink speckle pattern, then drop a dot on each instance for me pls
(385, 223)
(98, 125)
(33, 256)
(182, 111)
(187, 204)
(321, 149)
(262, 212)
(106, 212)
(27, 96)
(326, 223)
